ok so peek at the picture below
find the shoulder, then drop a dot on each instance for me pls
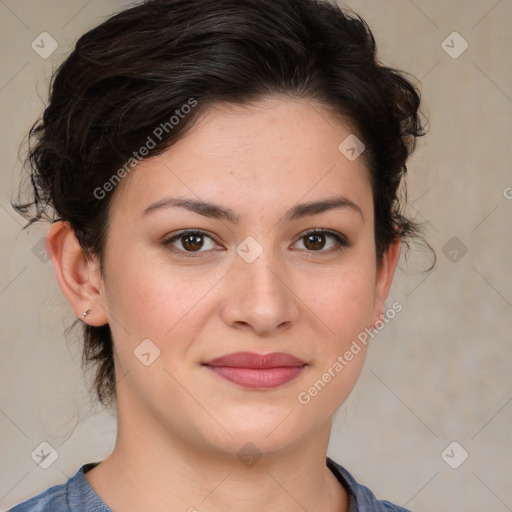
(361, 499)
(54, 498)
(75, 495)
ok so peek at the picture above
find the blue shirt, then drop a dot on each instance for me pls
(76, 495)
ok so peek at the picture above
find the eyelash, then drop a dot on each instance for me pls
(341, 241)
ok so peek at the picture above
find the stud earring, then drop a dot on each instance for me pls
(85, 313)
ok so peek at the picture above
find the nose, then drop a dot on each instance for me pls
(260, 297)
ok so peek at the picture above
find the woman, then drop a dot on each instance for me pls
(223, 181)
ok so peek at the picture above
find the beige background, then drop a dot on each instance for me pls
(439, 372)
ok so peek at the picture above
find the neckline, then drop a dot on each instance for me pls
(335, 468)
(87, 467)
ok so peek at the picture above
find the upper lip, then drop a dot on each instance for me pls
(253, 360)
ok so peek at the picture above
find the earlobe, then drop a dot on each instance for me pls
(78, 277)
(385, 273)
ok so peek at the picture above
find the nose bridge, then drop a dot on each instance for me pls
(261, 297)
(261, 276)
(265, 275)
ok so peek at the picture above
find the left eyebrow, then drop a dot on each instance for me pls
(212, 210)
(315, 207)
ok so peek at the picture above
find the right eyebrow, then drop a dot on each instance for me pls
(193, 205)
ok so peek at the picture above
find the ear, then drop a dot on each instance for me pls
(385, 273)
(79, 277)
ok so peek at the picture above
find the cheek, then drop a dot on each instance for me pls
(150, 299)
(343, 306)
(343, 300)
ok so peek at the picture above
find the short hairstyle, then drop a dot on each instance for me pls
(127, 78)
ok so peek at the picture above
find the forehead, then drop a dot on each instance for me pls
(275, 152)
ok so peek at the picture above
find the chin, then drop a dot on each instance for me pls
(254, 431)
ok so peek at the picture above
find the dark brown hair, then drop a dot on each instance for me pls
(139, 68)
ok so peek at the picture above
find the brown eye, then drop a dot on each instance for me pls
(314, 242)
(192, 242)
(189, 242)
(322, 241)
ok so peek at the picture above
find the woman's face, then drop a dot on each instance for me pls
(251, 277)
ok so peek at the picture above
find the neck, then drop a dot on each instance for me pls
(161, 472)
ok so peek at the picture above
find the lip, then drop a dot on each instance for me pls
(257, 371)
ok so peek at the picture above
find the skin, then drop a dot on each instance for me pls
(180, 426)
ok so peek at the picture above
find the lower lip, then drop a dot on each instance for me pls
(258, 378)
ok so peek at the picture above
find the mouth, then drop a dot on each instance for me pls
(257, 371)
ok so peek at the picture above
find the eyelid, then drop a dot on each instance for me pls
(323, 231)
(188, 231)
